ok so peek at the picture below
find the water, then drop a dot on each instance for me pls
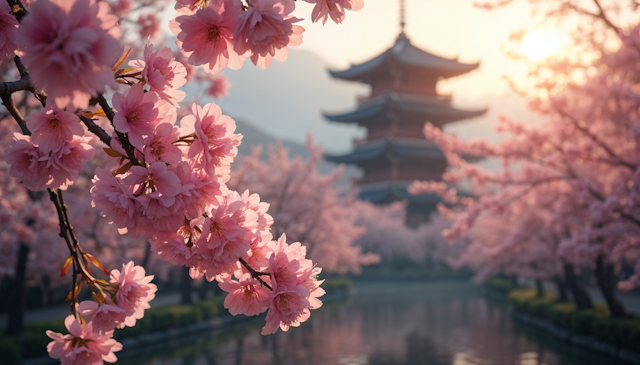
(432, 324)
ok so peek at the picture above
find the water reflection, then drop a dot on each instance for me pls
(434, 324)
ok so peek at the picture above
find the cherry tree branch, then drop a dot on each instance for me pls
(97, 130)
(255, 274)
(124, 140)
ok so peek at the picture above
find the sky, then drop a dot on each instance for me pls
(288, 98)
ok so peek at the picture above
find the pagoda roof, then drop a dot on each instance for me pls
(431, 108)
(406, 54)
(404, 147)
(384, 192)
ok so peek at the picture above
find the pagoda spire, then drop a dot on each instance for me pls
(402, 16)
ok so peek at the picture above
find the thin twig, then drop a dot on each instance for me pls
(15, 113)
(124, 141)
(256, 274)
(97, 130)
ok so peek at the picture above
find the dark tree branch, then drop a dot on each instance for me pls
(15, 113)
(124, 141)
(255, 274)
(97, 130)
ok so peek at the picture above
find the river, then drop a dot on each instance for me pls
(383, 324)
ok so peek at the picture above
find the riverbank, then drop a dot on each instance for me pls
(593, 330)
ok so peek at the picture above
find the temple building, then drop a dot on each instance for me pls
(403, 97)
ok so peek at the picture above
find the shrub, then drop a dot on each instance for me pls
(560, 314)
(499, 284)
(10, 350)
(520, 298)
(337, 284)
(582, 321)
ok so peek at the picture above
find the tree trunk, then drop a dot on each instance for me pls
(514, 281)
(45, 287)
(539, 288)
(147, 255)
(606, 279)
(17, 299)
(580, 294)
(185, 286)
(561, 287)
(203, 289)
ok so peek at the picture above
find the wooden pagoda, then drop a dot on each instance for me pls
(403, 97)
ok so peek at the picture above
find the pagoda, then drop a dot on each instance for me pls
(403, 97)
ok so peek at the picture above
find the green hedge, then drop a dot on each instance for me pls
(336, 284)
(596, 322)
(499, 284)
(35, 339)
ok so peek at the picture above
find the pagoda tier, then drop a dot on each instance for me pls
(404, 68)
(402, 115)
(403, 97)
(393, 159)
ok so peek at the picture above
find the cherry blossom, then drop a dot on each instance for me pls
(52, 128)
(265, 30)
(162, 73)
(206, 36)
(334, 9)
(8, 30)
(62, 60)
(82, 345)
(134, 291)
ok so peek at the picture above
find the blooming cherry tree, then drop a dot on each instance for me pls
(164, 182)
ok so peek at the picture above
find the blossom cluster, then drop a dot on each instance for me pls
(222, 35)
(54, 154)
(167, 175)
(90, 341)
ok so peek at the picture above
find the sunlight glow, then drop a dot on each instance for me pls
(538, 45)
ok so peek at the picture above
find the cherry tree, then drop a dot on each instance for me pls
(586, 148)
(308, 206)
(166, 179)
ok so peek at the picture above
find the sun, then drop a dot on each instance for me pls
(538, 45)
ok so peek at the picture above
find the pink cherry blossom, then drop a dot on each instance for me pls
(160, 146)
(135, 291)
(245, 295)
(156, 177)
(227, 233)
(334, 9)
(206, 36)
(103, 317)
(70, 46)
(162, 73)
(64, 164)
(123, 7)
(265, 30)
(8, 29)
(137, 114)
(114, 200)
(199, 190)
(26, 166)
(215, 144)
(149, 25)
(52, 128)
(178, 247)
(295, 288)
(219, 87)
(82, 345)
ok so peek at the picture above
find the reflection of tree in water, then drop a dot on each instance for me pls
(420, 350)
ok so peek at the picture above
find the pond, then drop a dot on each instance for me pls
(386, 324)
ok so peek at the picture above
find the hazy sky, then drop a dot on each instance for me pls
(450, 28)
(287, 99)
